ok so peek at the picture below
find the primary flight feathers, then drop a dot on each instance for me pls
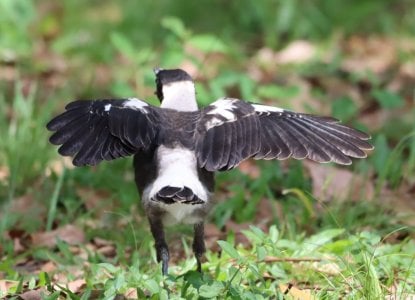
(222, 134)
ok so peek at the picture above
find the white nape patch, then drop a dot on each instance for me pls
(223, 107)
(177, 167)
(107, 107)
(179, 95)
(135, 103)
(267, 109)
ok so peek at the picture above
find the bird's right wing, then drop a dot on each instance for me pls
(96, 130)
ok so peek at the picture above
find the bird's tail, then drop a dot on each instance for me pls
(172, 194)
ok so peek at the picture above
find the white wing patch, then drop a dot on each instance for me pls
(224, 108)
(135, 103)
(213, 123)
(107, 107)
(267, 109)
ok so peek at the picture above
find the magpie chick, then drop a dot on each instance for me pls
(178, 147)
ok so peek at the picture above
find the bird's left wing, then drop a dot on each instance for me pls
(230, 130)
(96, 130)
(227, 132)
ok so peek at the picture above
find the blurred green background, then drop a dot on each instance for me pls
(351, 59)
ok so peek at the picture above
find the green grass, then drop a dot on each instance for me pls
(332, 263)
(359, 247)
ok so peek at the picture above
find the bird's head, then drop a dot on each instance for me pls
(175, 89)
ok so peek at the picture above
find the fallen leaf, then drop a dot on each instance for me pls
(131, 293)
(401, 202)
(376, 119)
(99, 242)
(108, 251)
(396, 294)
(335, 88)
(408, 69)
(28, 266)
(33, 294)
(48, 267)
(17, 246)
(267, 210)
(93, 200)
(262, 66)
(272, 259)
(75, 271)
(329, 268)
(4, 173)
(296, 52)
(26, 204)
(375, 54)
(296, 293)
(84, 252)
(69, 234)
(103, 75)
(6, 285)
(76, 285)
(330, 182)
(250, 168)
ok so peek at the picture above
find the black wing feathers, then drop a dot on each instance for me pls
(226, 133)
(230, 131)
(222, 135)
(318, 149)
(320, 139)
(93, 131)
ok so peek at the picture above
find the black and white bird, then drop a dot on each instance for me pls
(177, 147)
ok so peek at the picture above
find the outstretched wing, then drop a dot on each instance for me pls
(96, 130)
(231, 130)
(227, 132)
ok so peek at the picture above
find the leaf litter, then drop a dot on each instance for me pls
(376, 54)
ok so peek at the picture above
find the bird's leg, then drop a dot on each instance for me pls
(162, 249)
(199, 244)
